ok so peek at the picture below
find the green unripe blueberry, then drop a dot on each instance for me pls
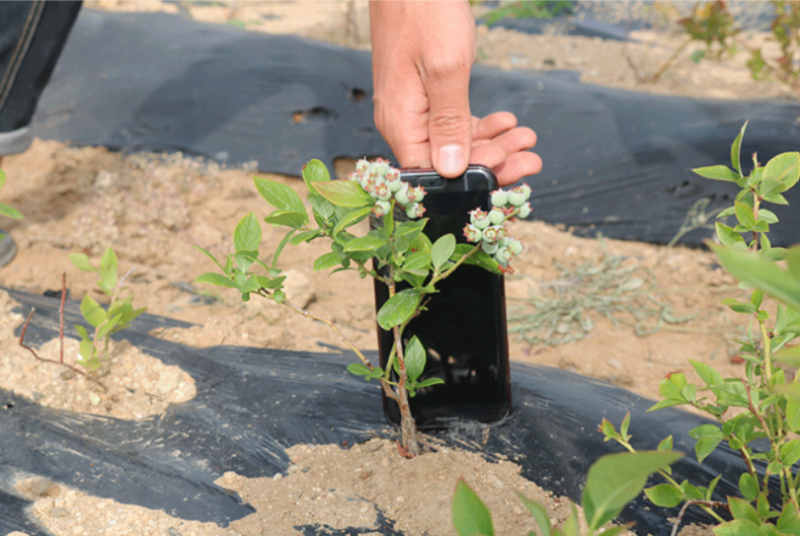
(516, 198)
(515, 246)
(503, 256)
(524, 211)
(381, 208)
(504, 241)
(402, 194)
(499, 198)
(479, 219)
(472, 233)
(489, 248)
(496, 217)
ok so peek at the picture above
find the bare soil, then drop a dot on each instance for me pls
(153, 208)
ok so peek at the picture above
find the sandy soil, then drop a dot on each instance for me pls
(153, 208)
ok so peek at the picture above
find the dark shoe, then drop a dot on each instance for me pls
(8, 248)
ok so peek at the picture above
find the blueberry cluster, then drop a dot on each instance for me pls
(487, 227)
(382, 182)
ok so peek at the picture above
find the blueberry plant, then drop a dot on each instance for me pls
(613, 481)
(6, 210)
(763, 404)
(396, 250)
(105, 321)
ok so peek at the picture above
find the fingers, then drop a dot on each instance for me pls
(516, 166)
(449, 121)
(493, 125)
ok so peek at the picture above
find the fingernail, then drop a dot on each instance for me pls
(450, 159)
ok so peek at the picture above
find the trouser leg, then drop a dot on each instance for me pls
(32, 35)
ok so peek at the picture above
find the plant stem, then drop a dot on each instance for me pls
(458, 263)
(334, 327)
(67, 365)
(408, 428)
(705, 505)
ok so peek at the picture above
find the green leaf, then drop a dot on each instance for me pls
(738, 527)
(351, 218)
(329, 260)
(208, 254)
(760, 273)
(770, 187)
(730, 211)
(429, 382)
(10, 212)
(538, 512)
(81, 262)
(108, 327)
(742, 509)
(665, 444)
(365, 243)
(315, 171)
(247, 235)
(790, 452)
(708, 437)
(108, 270)
(748, 486)
(664, 495)
(279, 195)
(285, 240)
(776, 199)
(92, 311)
(717, 173)
(793, 414)
(410, 229)
(213, 278)
(708, 374)
(788, 522)
(295, 220)
(480, 258)
(271, 284)
(470, 515)
(82, 333)
(728, 236)
(745, 215)
(398, 309)
(616, 479)
(418, 263)
(415, 356)
(784, 168)
(736, 150)
(305, 236)
(442, 250)
(359, 369)
(321, 206)
(344, 193)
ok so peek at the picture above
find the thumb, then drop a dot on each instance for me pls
(449, 122)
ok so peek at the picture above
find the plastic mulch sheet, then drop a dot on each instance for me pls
(170, 461)
(616, 162)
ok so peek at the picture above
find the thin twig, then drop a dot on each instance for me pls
(61, 316)
(708, 504)
(67, 365)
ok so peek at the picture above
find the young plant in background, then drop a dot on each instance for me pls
(786, 33)
(118, 316)
(6, 210)
(613, 481)
(767, 395)
(401, 251)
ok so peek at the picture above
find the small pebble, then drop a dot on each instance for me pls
(67, 375)
(41, 487)
(58, 512)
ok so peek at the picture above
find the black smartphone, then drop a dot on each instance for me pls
(464, 327)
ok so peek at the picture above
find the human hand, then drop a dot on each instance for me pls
(422, 55)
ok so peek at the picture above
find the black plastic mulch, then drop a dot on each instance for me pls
(252, 404)
(616, 162)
